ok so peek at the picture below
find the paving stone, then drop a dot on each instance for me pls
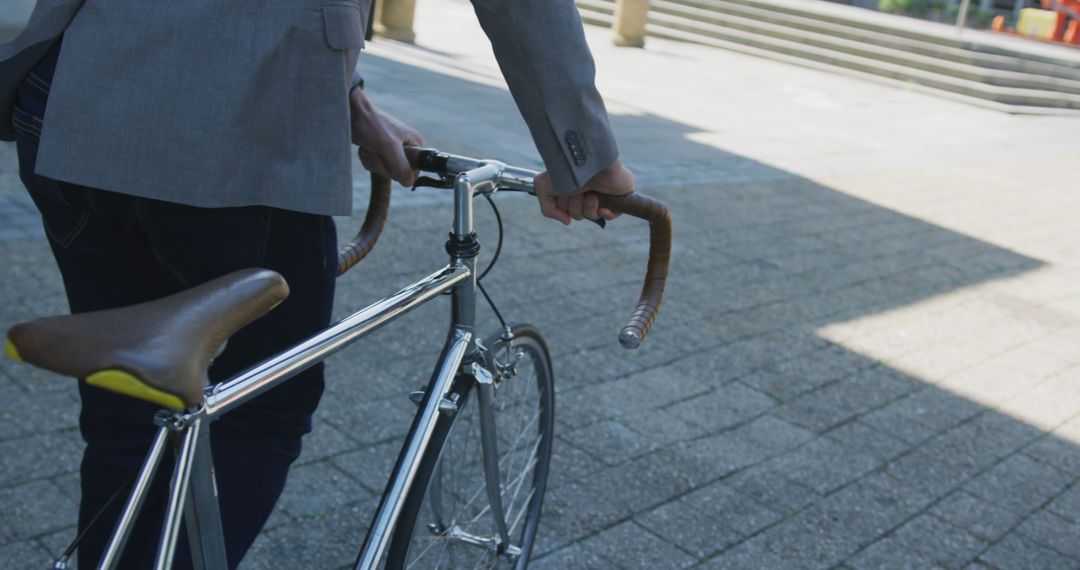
(24, 556)
(861, 438)
(890, 554)
(1019, 484)
(611, 441)
(574, 556)
(746, 445)
(937, 542)
(647, 481)
(866, 510)
(802, 544)
(1067, 504)
(370, 421)
(665, 427)
(55, 543)
(324, 441)
(26, 415)
(781, 386)
(959, 454)
(687, 523)
(1053, 450)
(69, 485)
(329, 540)
(1053, 531)
(772, 488)
(824, 465)
(629, 546)
(39, 456)
(981, 518)
(371, 466)
(921, 415)
(653, 388)
(724, 407)
(34, 508)
(1045, 405)
(573, 511)
(1017, 552)
(569, 463)
(836, 403)
(722, 502)
(590, 367)
(317, 488)
(749, 555)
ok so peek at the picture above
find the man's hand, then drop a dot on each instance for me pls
(615, 180)
(382, 140)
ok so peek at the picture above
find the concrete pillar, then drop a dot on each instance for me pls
(394, 19)
(629, 26)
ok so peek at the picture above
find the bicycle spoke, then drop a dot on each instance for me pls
(458, 484)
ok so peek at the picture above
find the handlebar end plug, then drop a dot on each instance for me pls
(629, 339)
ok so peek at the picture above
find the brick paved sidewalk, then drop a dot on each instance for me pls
(869, 356)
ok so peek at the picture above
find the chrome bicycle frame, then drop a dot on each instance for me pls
(192, 492)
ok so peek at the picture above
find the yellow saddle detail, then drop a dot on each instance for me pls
(11, 351)
(124, 383)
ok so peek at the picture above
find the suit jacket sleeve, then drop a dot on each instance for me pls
(541, 49)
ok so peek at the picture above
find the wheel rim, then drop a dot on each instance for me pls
(455, 528)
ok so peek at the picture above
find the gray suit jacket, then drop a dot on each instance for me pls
(244, 102)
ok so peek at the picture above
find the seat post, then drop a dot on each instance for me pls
(135, 502)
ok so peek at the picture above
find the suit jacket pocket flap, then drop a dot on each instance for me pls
(345, 24)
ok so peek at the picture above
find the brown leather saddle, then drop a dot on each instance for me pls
(158, 351)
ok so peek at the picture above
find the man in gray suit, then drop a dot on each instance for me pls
(168, 143)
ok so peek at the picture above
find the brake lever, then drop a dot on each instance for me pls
(428, 182)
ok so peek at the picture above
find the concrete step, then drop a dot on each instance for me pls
(676, 14)
(988, 43)
(1006, 75)
(1048, 104)
(945, 46)
(683, 28)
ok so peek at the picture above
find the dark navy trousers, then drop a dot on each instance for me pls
(114, 250)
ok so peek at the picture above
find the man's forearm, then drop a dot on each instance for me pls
(541, 49)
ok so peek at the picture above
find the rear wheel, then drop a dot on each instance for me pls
(446, 521)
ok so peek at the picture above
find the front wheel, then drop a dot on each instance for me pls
(446, 521)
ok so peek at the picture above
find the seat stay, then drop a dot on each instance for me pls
(179, 487)
(135, 501)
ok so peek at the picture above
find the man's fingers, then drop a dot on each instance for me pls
(399, 166)
(396, 167)
(550, 209)
(576, 206)
(372, 163)
(590, 206)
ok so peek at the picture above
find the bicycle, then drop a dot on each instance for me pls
(468, 485)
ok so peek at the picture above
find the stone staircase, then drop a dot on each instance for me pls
(1009, 74)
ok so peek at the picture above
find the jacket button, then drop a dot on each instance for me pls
(577, 150)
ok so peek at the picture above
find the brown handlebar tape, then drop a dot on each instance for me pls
(365, 239)
(652, 292)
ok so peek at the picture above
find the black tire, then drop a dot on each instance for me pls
(449, 490)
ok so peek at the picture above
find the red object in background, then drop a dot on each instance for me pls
(1068, 20)
(1067, 28)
